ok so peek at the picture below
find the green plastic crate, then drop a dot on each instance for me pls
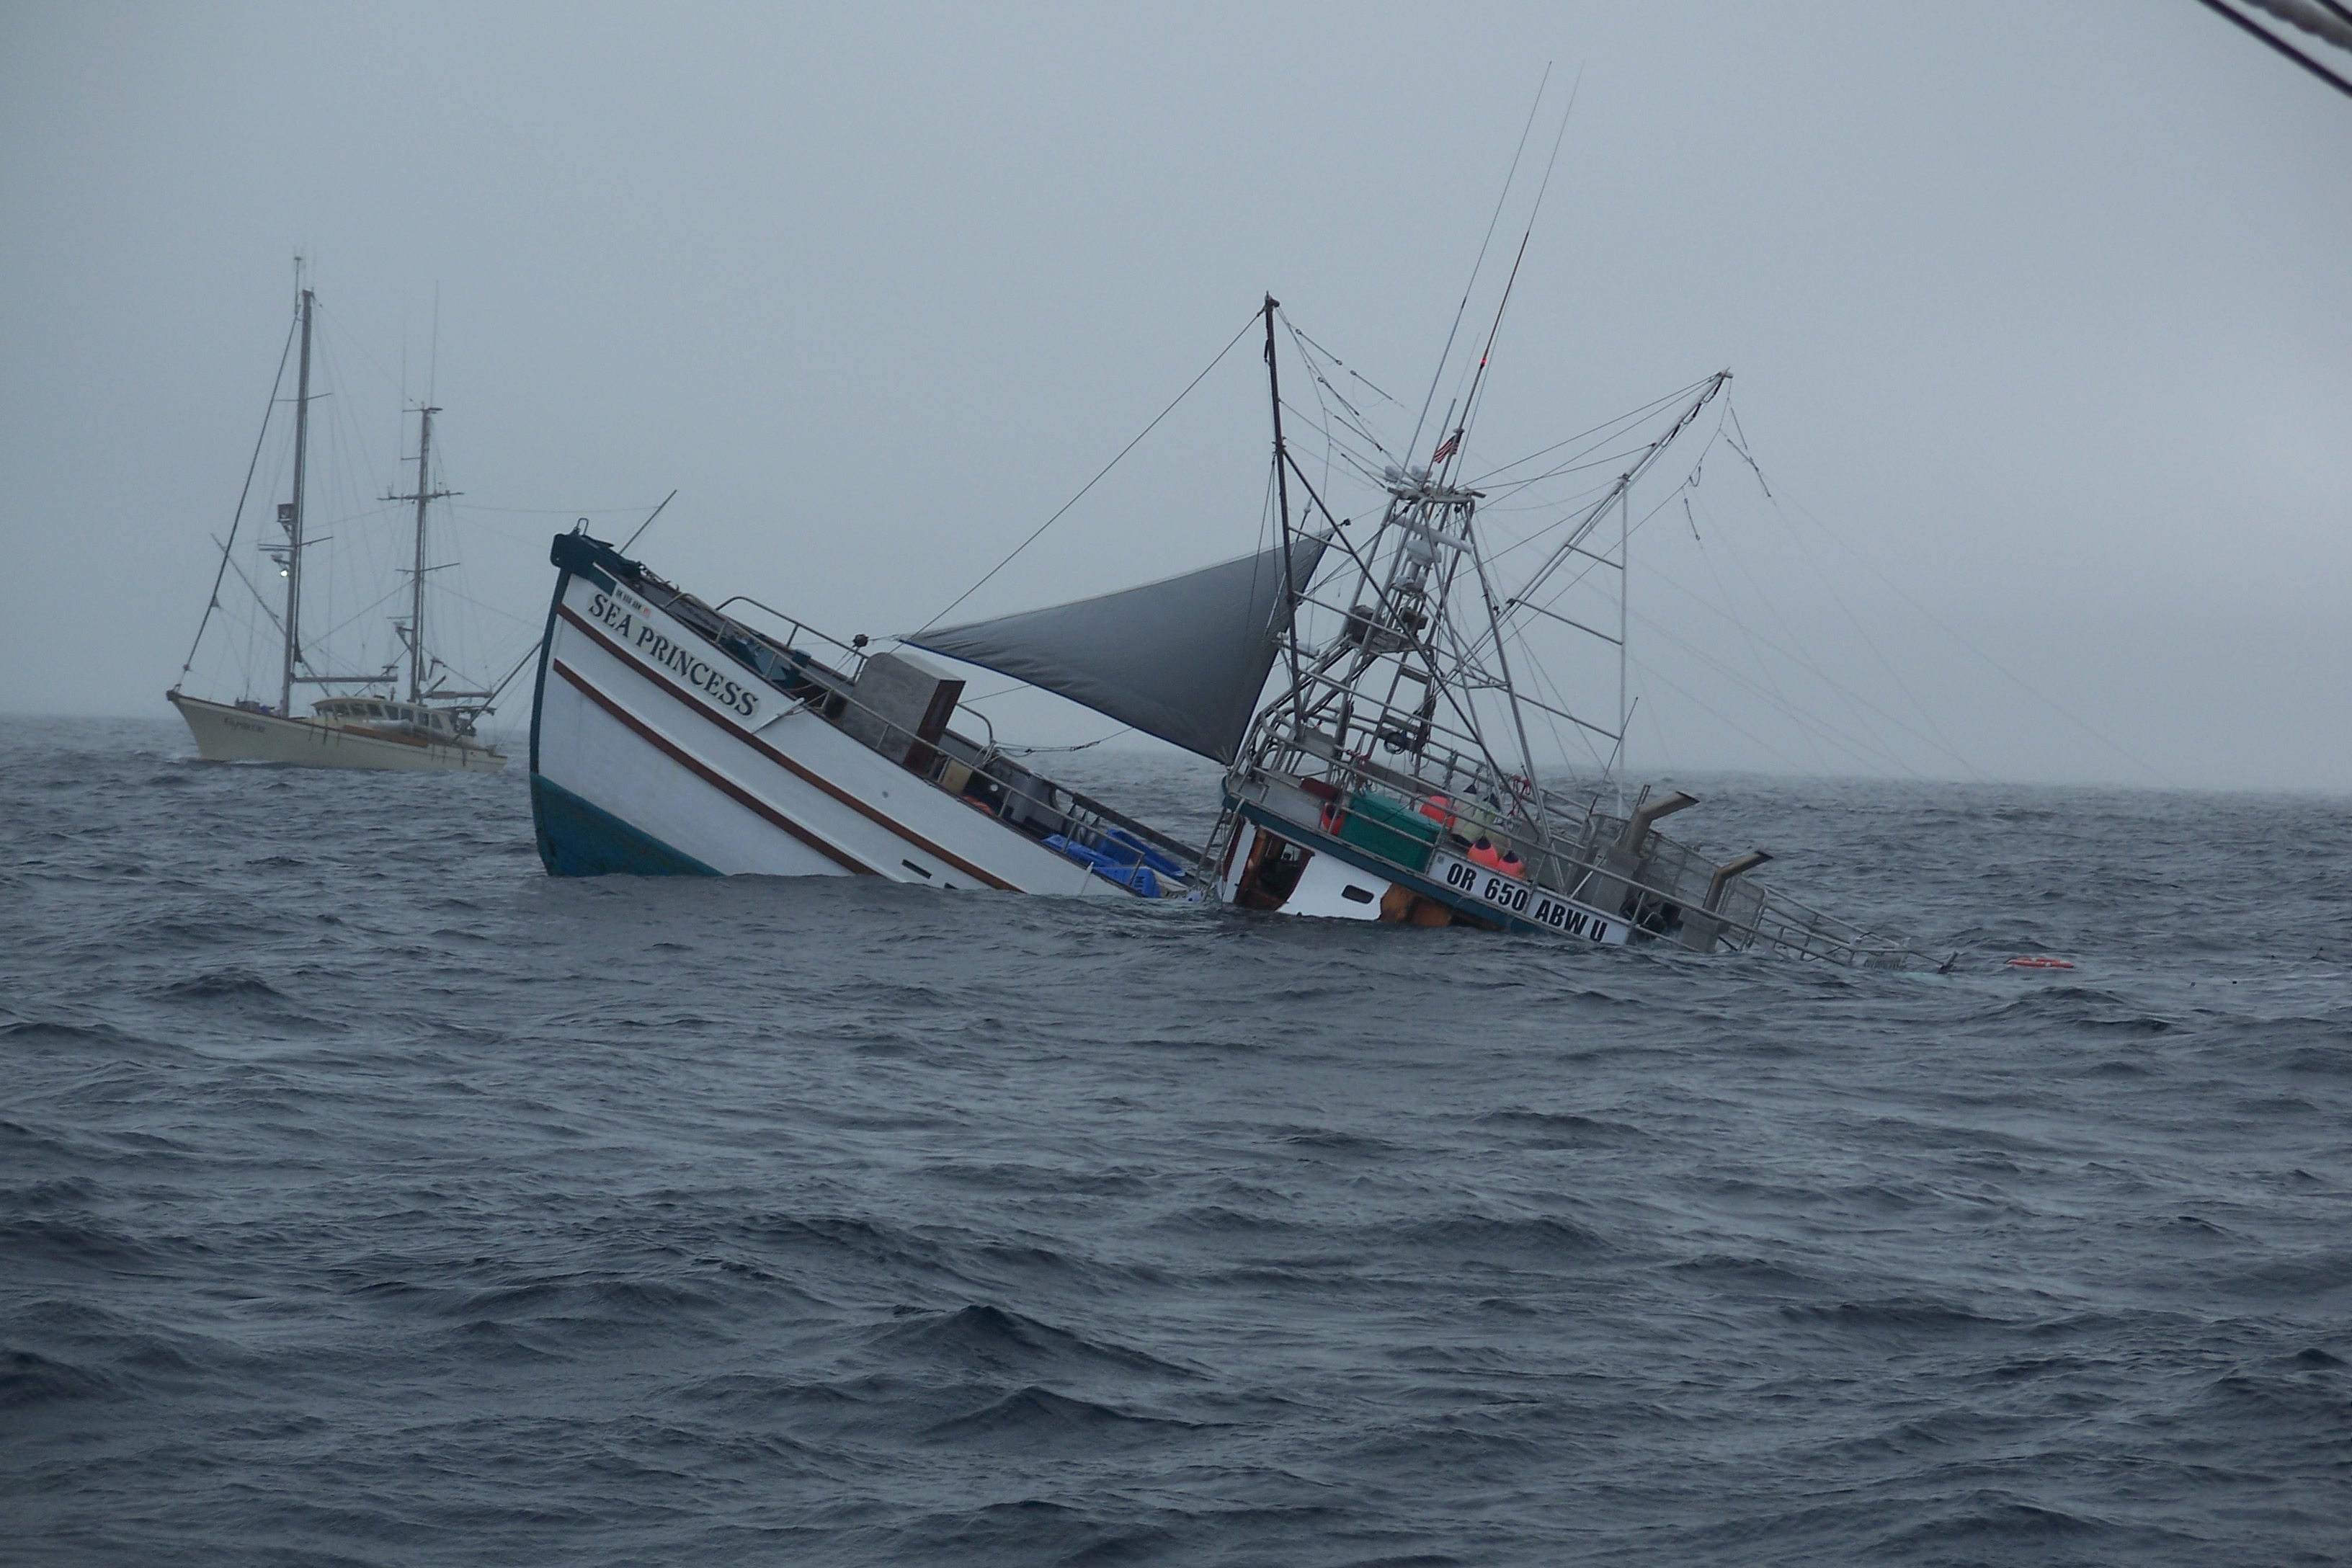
(1389, 830)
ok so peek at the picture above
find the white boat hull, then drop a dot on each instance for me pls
(1334, 880)
(229, 734)
(656, 751)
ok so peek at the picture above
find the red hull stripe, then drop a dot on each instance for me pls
(788, 765)
(712, 776)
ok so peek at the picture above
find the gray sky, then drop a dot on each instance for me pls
(2039, 317)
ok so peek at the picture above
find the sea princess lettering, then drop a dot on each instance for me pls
(649, 644)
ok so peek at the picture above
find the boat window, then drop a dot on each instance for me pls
(1272, 872)
(375, 710)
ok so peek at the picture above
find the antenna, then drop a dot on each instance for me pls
(1439, 375)
(649, 519)
(1470, 403)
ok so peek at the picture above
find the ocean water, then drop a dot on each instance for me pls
(368, 1197)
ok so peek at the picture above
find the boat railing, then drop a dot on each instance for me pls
(1781, 925)
(800, 628)
(1507, 803)
(1570, 844)
(1036, 805)
(1444, 760)
(1029, 801)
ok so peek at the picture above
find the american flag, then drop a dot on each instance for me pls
(1453, 444)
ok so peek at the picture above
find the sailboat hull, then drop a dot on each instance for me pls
(656, 751)
(229, 734)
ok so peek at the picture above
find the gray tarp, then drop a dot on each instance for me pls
(1183, 659)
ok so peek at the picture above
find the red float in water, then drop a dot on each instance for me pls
(2032, 963)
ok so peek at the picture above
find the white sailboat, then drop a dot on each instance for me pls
(369, 724)
(1383, 775)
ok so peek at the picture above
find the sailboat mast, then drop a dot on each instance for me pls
(294, 519)
(416, 579)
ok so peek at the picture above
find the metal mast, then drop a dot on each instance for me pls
(1624, 593)
(425, 494)
(1282, 489)
(291, 515)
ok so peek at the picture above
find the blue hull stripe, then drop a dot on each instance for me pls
(577, 839)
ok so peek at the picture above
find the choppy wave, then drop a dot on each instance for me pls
(371, 1198)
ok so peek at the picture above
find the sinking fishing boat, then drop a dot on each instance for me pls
(1355, 683)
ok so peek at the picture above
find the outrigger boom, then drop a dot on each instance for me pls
(1370, 788)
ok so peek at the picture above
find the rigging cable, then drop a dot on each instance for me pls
(649, 520)
(1082, 746)
(1935, 741)
(2281, 45)
(2037, 692)
(1091, 483)
(551, 511)
(1747, 636)
(277, 382)
(1883, 662)
(1629, 416)
(1334, 359)
(1725, 720)
(1859, 745)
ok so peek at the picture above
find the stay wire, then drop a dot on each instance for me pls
(1091, 483)
(1788, 705)
(1723, 591)
(550, 511)
(1787, 709)
(1737, 442)
(222, 571)
(2281, 45)
(1356, 420)
(1633, 416)
(1877, 653)
(1322, 385)
(2030, 690)
(1334, 359)
(331, 319)
(1719, 715)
